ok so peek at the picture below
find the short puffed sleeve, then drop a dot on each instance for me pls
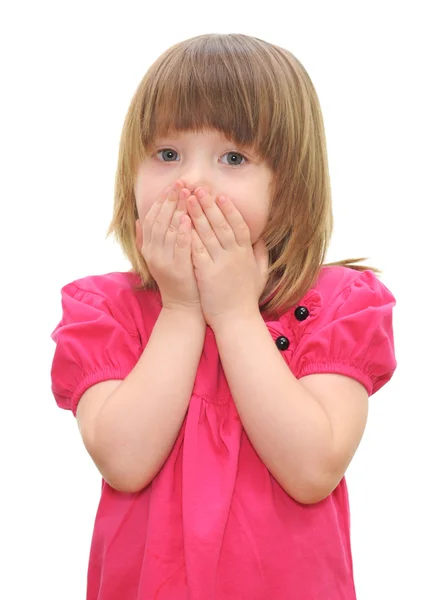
(352, 335)
(95, 342)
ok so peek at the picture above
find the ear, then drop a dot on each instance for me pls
(139, 236)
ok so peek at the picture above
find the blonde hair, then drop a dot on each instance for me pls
(258, 95)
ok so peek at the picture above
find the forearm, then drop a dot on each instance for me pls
(286, 425)
(137, 426)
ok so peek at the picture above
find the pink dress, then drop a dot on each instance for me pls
(214, 524)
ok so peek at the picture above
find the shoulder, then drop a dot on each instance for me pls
(343, 325)
(116, 294)
(336, 283)
(106, 285)
(338, 291)
(343, 297)
(117, 287)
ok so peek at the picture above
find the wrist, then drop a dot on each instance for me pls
(235, 321)
(185, 313)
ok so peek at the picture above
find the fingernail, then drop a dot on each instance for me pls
(201, 194)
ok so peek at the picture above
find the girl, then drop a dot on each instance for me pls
(221, 386)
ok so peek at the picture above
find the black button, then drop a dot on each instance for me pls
(301, 313)
(282, 342)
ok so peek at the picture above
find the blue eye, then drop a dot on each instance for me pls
(168, 154)
(234, 157)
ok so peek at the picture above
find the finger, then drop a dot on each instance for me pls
(183, 196)
(164, 216)
(183, 242)
(152, 215)
(217, 220)
(235, 220)
(172, 231)
(200, 253)
(203, 228)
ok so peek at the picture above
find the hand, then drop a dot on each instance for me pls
(167, 248)
(230, 272)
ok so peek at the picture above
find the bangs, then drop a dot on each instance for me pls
(217, 83)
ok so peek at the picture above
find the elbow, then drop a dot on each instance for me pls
(314, 491)
(119, 471)
(125, 487)
(125, 483)
(311, 496)
(119, 476)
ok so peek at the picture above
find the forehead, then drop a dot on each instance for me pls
(204, 135)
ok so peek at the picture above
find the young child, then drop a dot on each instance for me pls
(221, 386)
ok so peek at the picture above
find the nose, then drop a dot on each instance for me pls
(196, 177)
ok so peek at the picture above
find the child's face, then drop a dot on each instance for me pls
(204, 160)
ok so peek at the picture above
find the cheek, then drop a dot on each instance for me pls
(255, 216)
(145, 195)
(144, 204)
(256, 225)
(149, 186)
(254, 219)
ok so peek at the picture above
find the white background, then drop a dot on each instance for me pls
(68, 73)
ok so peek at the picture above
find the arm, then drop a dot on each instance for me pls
(131, 434)
(306, 432)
